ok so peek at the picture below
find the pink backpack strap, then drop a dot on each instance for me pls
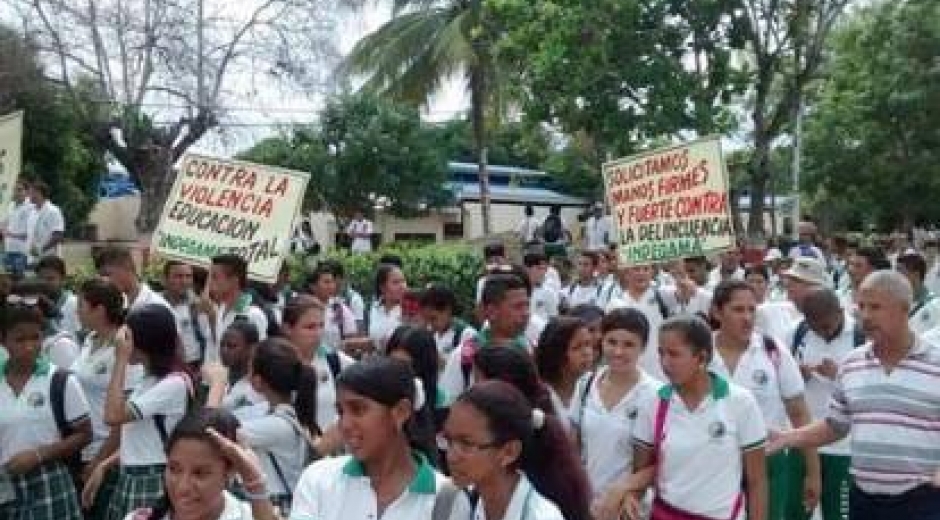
(659, 435)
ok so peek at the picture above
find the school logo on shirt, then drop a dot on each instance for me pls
(760, 377)
(36, 400)
(101, 368)
(717, 430)
(242, 401)
(632, 414)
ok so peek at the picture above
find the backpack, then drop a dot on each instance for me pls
(551, 229)
(799, 337)
(57, 402)
(310, 454)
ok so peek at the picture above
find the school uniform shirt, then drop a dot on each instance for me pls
(276, 434)
(46, 220)
(17, 228)
(544, 302)
(813, 350)
(192, 349)
(701, 465)
(354, 301)
(141, 444)
(525, 504)
(447, 341)
(527, 229)
(360, 244)
(244, 401)
(452, 381)
(337, 488)
(26, 420)
(598, 232)
(338, 322)
(925, 314)
(579, 293)
(648, 304)
(326, 386)
(610, 288)
(68, 314)
(234, 509)
(777, 319)
(243, 308)
(61, 349)
(552, 279)
(607, 433)
(382, 323)
(93, 370)
(146, 296)
(715, 277)
(771, 381)
(932, 279)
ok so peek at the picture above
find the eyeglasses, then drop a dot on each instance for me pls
(465, 447)
(26, 301)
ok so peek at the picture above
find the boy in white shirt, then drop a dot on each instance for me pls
(48, 225)
(545, 299)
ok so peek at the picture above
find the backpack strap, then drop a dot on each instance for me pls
(459, 327)
(280, 475)
(333, 361)
(583, 403)
(468, 350)
(659, 434)
(799, 337)
(770, 346)
(159, 420)
(444, 501)
(197, 331)
(858, 335)
(57, 400)
(661, 303)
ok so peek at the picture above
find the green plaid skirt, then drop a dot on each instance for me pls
(137, 487)
(46, 493)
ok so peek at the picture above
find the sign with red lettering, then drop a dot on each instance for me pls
(220, 206)
(670, 203)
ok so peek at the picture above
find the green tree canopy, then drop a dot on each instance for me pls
(56, 149)
(872, 138)
(365, 151)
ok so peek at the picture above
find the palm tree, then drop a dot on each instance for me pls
(424, 44)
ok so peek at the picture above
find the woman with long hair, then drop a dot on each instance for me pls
(156, 404)
(386, 473)
(517, 458)
(35, 447)
(564, 353)
(385, 312)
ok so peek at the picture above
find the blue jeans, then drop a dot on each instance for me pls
(15, 264)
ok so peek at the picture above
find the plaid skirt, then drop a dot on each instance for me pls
(137, 487)
(46, 493)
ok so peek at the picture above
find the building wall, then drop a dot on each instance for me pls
(505, 217)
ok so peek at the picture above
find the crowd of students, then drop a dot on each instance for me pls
(664, 392)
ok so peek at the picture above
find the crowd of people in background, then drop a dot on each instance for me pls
(577, 388)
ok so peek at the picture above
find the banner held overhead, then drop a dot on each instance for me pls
(670, 203)
(222, 206)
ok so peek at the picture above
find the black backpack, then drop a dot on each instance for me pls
(57, 401)
(551, 229)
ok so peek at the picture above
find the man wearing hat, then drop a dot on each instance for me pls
(777, 319)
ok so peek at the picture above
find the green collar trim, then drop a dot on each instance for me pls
(42, 367)
(719, 388)
(242, 303)
(424, 481)
(485, 337)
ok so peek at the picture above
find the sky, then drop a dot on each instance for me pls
(272, 108)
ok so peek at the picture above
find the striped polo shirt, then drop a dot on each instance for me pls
(894, 417)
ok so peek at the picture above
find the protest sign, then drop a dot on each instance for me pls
(11, 158)
(670, 203)
(222, 206)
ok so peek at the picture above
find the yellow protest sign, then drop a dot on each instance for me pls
(222, 206)
(11, 157)
(670, 203)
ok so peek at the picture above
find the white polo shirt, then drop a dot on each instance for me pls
(234, 509)
(46, 220)
(578, 293)
(17, 228)
(648, 304)
(338, 488)
(146, 296)
(607, 434)
(244, 401)
(382, 323)
(925, 314)
(813, 350)
(363, 244)
(242, 307)
(68, 311)
(141, 444)
(326, 387)
(771, 382)
(447, 342)
(544, 302)
(701, 466)
(274, 435)
(525, 504)
(60, 348)
(93, 369)
(192, 352)
(339, 322)
(26, 420)
(777, 318)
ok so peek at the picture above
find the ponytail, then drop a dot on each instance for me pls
(548, 456)
(277, 363)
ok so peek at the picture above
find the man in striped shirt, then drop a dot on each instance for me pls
(888, 395)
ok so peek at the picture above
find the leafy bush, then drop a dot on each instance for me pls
(455, 266)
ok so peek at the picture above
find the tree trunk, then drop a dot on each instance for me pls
(152, 169)
(477, 100)
(759, 173)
